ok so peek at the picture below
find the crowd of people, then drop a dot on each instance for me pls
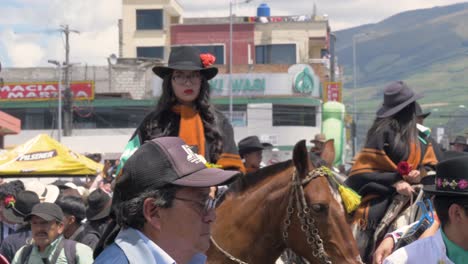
(51, 223)
(157, 205)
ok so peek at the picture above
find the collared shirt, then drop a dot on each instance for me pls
(427, 250)
(454, 252)
(84, 254)
(159, 255)
(132, 246)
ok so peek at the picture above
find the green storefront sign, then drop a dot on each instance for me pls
(240, 86)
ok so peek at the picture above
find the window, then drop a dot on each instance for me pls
(216, 50)
(150, 52)
(149, 19)
(239, 114)
(294, 115)
(275, 54)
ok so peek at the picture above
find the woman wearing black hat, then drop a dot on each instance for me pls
(184, 109)
(391, 160)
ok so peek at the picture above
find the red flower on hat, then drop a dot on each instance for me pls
(403, 168)
(207, 59)
(9, 201)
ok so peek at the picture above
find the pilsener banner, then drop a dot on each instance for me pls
(34, 91)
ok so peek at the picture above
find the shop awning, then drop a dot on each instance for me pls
(9, 124)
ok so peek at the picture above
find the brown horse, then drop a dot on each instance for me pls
(259, 219)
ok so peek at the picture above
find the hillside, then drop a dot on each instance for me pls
(427, 48)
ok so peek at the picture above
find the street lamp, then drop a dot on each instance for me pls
(111, 60)
(59, 95)
(231, 2)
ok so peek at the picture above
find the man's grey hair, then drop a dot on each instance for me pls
(130, 213)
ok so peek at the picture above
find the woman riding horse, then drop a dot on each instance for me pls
(391, 160)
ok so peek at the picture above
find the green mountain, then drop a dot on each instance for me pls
(427, 48)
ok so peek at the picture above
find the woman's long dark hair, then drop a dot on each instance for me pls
(164, 117)
(403, 125)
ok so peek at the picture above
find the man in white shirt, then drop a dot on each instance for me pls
(450, 243)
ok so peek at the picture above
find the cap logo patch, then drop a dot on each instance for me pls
(193, 157)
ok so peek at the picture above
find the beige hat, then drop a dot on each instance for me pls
(47, 193)
(319, 138)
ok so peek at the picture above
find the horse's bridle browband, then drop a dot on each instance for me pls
(303, 213)
(307, 221)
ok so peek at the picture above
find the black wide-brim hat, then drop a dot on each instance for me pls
(23, 205)
(99, 205)
(420, 113)
(186, 59)
(249, 144)
(397, 96)
(451, 178)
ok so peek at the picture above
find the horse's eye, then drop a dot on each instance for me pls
(319, 208)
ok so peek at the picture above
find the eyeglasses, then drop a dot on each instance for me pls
(182, 79)
(204, 207)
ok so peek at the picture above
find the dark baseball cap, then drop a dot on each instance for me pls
(46, 211)
(166, 161)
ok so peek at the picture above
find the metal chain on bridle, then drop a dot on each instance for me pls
(307, 221)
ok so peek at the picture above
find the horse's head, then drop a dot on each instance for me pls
(319, 232)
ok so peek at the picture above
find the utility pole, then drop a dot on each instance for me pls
(68, 99)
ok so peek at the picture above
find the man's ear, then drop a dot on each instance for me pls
(151, 212)
(455, 213)
(71, 219)
(60, 227)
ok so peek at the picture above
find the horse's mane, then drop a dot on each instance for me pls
(244, 182)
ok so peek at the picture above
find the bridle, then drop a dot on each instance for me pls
(308, 226)
(307, 221)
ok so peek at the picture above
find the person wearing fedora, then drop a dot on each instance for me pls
(450, 243)
(391, 160)
(48, 244)
(15, 212)
(184, 110)
(8, 191)
(459, 144)
(319, 142)
(97, 216)
(162, 204)
(250, 150)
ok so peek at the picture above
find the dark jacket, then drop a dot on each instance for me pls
(14, 242)
(375, 171)
(229, 158)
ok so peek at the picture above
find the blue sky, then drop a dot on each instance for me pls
(28, 37)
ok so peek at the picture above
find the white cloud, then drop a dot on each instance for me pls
(37, 39)
(96, 20)
(21, 51)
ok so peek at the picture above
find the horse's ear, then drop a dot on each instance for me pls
(328, 152)
(301, 158)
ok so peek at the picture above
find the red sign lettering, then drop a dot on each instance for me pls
(83, 90)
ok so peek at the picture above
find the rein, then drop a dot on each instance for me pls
(307, 221)
(303, 213)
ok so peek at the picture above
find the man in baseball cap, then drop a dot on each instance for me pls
(162, 203)
(49, 246)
